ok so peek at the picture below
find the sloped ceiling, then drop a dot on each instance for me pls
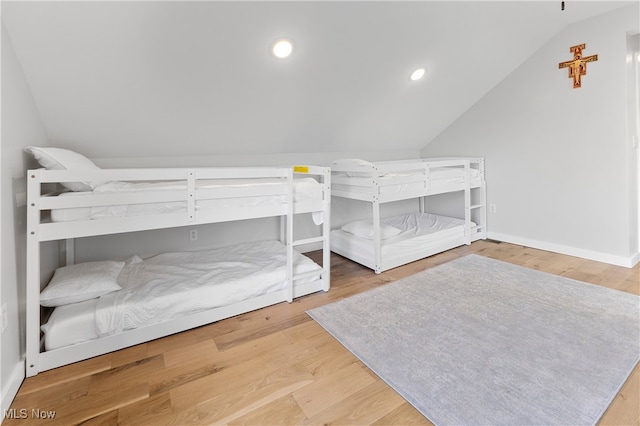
(197, 78)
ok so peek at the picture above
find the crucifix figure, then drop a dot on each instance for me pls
(578, 65)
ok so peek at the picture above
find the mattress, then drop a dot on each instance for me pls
(173, 285)
(306, 189)
(416, 230)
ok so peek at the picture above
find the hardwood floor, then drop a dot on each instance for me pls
(275, 365)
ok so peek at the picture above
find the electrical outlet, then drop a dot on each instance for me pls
(492, 208)
(4, 317)
(193, 234)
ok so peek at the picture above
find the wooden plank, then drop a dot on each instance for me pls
(366, 406)
(331, 389)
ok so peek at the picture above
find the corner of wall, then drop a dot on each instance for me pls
(21, 126)
(10, 390)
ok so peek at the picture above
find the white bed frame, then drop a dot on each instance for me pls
(417, 175)
(40, 229)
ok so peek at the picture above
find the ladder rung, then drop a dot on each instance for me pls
(309, 241)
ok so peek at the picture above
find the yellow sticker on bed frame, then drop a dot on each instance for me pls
(301, 169)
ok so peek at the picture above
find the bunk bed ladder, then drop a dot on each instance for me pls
(478, 207)
(483, 201)
(289, 236)
(467, 203)
(326, 229)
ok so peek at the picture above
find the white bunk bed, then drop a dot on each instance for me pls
(94, 304)
(385, 243)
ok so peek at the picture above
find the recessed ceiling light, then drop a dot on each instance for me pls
(417, 74)
(282, 48)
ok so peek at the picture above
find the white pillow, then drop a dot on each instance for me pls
(84, 281)
(364, 229)
(64, 159)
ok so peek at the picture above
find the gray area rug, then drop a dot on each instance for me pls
(480, 341)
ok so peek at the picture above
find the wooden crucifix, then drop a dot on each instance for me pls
(578, 65)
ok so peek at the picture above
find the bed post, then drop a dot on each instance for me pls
(191, 191)
(33, 273)
(375, 206)
(422, 201)
(326, 230)
(289, 234)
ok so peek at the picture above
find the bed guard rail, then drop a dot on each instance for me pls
(184, 187)
(367, 181)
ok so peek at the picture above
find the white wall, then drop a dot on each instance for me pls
(560, 165)
(633, 127)
(21, 126)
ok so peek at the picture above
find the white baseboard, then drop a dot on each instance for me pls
(627, 262)
(11, 388)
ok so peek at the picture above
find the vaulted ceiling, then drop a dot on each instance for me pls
(190, 78)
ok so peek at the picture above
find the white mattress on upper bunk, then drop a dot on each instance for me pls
(172, 285)
(304, 189)
(416, 229)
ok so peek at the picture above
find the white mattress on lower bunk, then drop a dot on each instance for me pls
(304, 189)
(417, 229)
(172, 285)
